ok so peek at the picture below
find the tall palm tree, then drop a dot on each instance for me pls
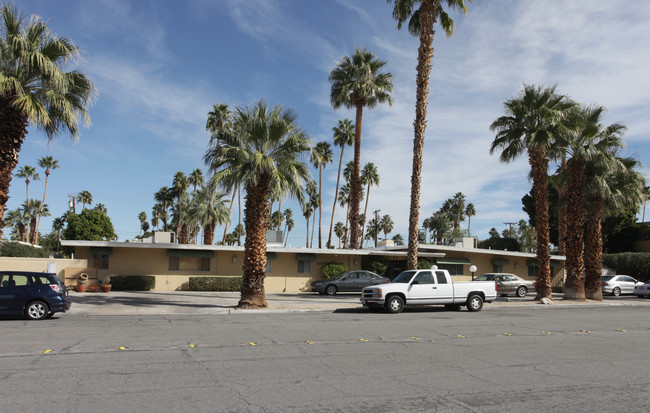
(196, 179)
(28, 173)
(142, 217)
(85, 197)
(369, 177)
(180, 185)
(321, 155)
(344, 198)
(264, 154)
(48, 163)
(531, 124)
(339, 231)
(470, 211)
(288, 227)
(35, 89)
(613, 184)
(422, 15)
(218, 119)
(386, 224)
(211, 209)
(357, 83)
(583, 139)
(16, 219)
(164, 197)
(343, 136)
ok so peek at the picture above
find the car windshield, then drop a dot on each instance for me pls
(404, 277)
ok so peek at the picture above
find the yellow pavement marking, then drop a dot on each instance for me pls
(122, 348)
(620, 331)
(585, 331)
(363, 339)
(544, 332)
(507, 334)
(461, 336)
(415, 338)
(308, 342)
(191, 345)
(251, 343)
(47, 351)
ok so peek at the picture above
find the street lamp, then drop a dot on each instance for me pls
(473, 270)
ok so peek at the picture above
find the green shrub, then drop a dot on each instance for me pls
(15, 249)
(215, 284)
(424, 264)
(378, 267)
(375, 263)
(133, 282)
(334, 269)
(634, 264)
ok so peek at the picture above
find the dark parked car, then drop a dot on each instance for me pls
(349, 281)
(36, 295)
(508, 283)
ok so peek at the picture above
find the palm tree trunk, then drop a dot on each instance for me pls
(307, 238)
(239, 206)
(594, 250)
(313, 227)
(355, 182)
(256, 221)
(365, 212)
(40, 212)
(208, 233)
(428, 11)
(225, 231)
(320, 203)
(561, 215)
(539, 170)
(336, 195)
(574, 285)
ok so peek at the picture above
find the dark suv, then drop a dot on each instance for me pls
(36, 295)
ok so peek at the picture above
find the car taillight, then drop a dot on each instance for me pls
(605, 284)
(56, 288)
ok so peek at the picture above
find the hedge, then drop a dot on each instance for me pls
(133, 282)
(634, 264)
(334, 269)
(215, 284)
(15, 249)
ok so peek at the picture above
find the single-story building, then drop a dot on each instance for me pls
(288, 269)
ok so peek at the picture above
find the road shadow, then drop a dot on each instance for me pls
(140, 301)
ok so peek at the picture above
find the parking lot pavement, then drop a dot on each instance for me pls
(194, 302)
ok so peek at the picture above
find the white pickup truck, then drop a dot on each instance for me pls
(424, 287)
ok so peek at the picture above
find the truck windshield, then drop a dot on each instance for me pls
(404, 277)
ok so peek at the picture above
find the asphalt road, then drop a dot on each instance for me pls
(350, 360)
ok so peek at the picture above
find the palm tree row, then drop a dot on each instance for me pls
(550, 127)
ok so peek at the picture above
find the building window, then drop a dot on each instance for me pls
(100, 262)
(269, 265)
(304, 267)
(454, 269)
(497, 268)
(532, 271)
(189, 264)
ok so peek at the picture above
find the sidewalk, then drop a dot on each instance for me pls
(194, 302)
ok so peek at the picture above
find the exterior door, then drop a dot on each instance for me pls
(627, 284)
(423, 287)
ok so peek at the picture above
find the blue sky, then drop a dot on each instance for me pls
(159, 66)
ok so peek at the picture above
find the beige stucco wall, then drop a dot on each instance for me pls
(40, 264)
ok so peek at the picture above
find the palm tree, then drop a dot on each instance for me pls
(321, 155)
(28, 173)
(196, 179)
(142, 217)
(48, 163)
(344, 197)
(339, 231)
(263, 154)
(180, 185)
(398, 240)
(101, 208)
(583, 139)
(531, 124)
(369, 177)
(16, 219)
(85, 197)
(288, 227)
(34, 88)
(357, 83)
(470, 211)
(420, 23)
(386, 225)
(164, 197)
(613, 184)
(218, 119)
(210, 208)
(343, 136)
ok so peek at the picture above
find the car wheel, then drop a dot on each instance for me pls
(331, 289)
(452, 307)
(474, 303)
(395, 304)
(616, 292)
(37, 310)
(522, 291)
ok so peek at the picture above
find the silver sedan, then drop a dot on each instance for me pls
(508, 283)
(618, 284)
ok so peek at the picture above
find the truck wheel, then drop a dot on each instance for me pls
(452, 307)
(522, 291)
(474, 303)
(395, 304)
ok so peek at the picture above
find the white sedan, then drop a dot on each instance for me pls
(642, 290)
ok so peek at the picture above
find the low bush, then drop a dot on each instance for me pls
(15, 249)
(133, 282)
(375, 263)
(634, 264)
(215, 284)
(334, 269)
